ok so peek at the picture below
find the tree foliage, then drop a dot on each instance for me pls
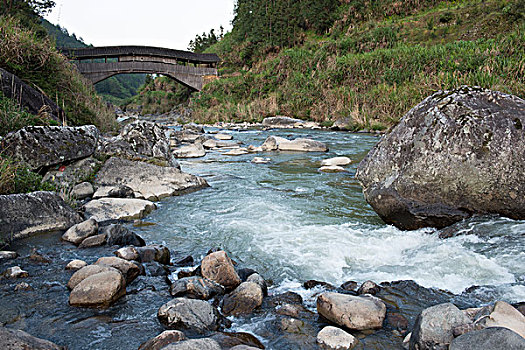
(202, 42)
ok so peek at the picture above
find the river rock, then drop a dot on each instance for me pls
(8, 255)
(127, 253)
(273, 143)
(162, 340)
(353, 312)
(128, 269)
(349, 286)
(79, 232)
(111, 209)
(229, 340)
(83, 190)
(22, 215)
(433, 328)
(194, 344)
(493, 338)
(243, 300)
(340, 161)
(369, 287)
(93, 241)
(117, 191)
(218, 267)
(74, 173)
(192, 314)
(244, 347)
(332, 169)
(148, 181)
(195, 150)
(23, 287)
(196, 288)
(236, 152)
(76, 264)
(505, 315)
(281, 122)
(261, 160)
(453, 155)
(293, 325)
(224, 137)
(333, 338)
(258, 279)
(119, 235)
(16, 272)
(140, 140)
(43, 146)
(154, 252)
(193, 127)
(98, 290)
(85, 272)
(12, 339)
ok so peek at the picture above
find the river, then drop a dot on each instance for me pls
(291, 223)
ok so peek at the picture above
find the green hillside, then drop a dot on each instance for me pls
(365, 63)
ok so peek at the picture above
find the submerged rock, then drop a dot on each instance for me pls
(12, 339)
(333, 338)
(192, 314)
(352, 312)
(148, 181)
(434, 326)
(455, 154)
(43, 146)
(218, 267)
(22, 215)
(79, 232)
(111, 209)
(493, 338)
(98, 290)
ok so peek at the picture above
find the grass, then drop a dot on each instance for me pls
(12, 117)
(16, 177)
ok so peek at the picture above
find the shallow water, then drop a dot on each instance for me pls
(291, 223)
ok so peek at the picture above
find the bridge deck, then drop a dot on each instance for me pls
(119, 51)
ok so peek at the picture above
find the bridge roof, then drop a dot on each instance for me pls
(116, 51)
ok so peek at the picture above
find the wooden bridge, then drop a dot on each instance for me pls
(188, 68)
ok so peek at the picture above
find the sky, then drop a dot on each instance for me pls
(162, 23)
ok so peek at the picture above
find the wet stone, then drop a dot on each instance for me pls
(162, 340)
(7, 255)
(23, 287)
(16, 272)
(93, 241)
(333, 338)
(127, 253)
(76, 264)
(128, 269)
(369, 287)
(196, 288)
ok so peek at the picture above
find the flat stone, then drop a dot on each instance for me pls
(111, 209)
(281, 122)
(195, 150)
(117, 191)
(236, 152)
(78, 233)
(353, 312)
(243, 300)
(333, 338)
(99, 290)
(128, 269)
(340, 161)
(192, 314)
(85, 272)
(196, 288)
(273, 143)
(76, 264)
(148, 181)
(22, 215)
(93, 241)
(260, 160)
(42, 146)
(332, 169)
(16, 272)
(223, 137)
(162, 340)
(83, 190)
(12, 339)
(219, 268)
(194, 344)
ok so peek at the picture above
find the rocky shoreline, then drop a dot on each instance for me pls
(113, 179)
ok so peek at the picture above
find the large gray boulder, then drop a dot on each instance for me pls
(74, 173)
(22, 215)
(12, 339)
(110, 209)
(140, 140)
(493, 338)
(433, 329)
(455, 154)
(148, 181)
(79, 232)
(43, 146)
(352, 312)
(281, 122)
(192, 314)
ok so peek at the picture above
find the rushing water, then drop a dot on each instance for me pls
(291, 223)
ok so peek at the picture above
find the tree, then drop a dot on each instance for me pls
(34, 7)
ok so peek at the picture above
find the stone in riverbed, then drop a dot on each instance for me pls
(111, 209)
(219, 268)
(224, 137)
(333, 338)
(127, 253)
(192, 314)
(23, 287)
(195, 150)
(128, 269)
(236, 152)
(505, 315)
(493, 338)
(244, 347)
(340, 161)
(154, 252)
(434, 326)
(121, 236)
(99, 290)
(76, 234)
(353, 312)
(8, 255)
(12, 339)
(15, 272)
(162, 340)
(148, 181)
(332, 169)
(281, 122)
(456, 154)
(229, 340)
(76, 264)
(194, 344)
(258, 279)
(261, 160)
(369, 287)
(83, 190)
(93, 241)
(273, 143)
(85, 272)
(196, 288)
(22, 215)
(243, 300)
(117, 191)
(42, 146)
